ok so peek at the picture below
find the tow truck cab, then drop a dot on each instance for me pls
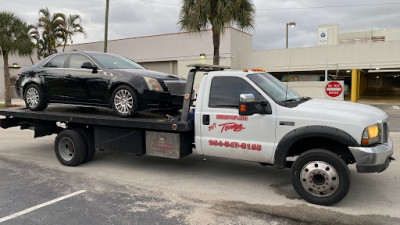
(253, 116)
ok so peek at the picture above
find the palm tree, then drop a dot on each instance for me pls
(14, 39)
(34, 35)
(52, 26)
(72, 27)
(197, 15)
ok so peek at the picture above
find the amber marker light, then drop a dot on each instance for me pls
(243, 108)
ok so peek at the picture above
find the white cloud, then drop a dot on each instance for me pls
(129, 18)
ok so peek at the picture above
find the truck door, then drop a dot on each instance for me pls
(223, 132)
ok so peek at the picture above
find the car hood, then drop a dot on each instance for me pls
(144, 73)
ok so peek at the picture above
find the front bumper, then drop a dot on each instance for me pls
(373, 159)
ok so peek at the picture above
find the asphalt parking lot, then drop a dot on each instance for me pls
(121, 188)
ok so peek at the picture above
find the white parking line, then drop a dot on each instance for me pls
(396, 107)
(40, 206)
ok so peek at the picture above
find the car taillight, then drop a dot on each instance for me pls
(19, 71)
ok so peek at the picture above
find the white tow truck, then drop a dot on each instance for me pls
(245, 115)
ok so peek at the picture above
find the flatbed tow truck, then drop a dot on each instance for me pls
(246, 115)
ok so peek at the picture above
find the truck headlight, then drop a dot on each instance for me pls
(153, 84)
(370, 135)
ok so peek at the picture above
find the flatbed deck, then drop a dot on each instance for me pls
(100, 116)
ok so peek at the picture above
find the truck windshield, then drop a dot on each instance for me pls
(273, 87)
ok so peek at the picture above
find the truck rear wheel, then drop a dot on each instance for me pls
(87, 135)
(70, 148)
(320, 177)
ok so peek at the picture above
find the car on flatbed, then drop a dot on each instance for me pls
(244, 115)
(99, 79)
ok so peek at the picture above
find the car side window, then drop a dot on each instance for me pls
(225, 92)
(56, 62)
(76, 61)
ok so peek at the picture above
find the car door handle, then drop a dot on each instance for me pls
(206, 119)
(69, 76)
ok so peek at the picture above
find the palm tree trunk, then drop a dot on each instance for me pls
(216, 42)
(65, 43)
(7, 83)
(30, 56)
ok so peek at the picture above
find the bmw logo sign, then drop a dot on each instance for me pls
(323, 35)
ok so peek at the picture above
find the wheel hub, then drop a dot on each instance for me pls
(66, 149)
(319, 178)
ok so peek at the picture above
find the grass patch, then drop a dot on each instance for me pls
(4, 105)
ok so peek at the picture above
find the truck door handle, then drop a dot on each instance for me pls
(69, 76)
(206, 119)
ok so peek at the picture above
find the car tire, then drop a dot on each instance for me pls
(124, 101)
(70, 148)
(34, 98)
(320, 177)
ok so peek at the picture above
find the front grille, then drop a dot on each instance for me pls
(385, 132)
(176, 87)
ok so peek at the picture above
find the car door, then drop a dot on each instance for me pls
(90, 86)
(52, 72)
(224, 133)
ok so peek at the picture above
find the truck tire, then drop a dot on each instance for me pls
(34, 98)
(320, 177)
(70, 148)
(89, 143)
(124, 101)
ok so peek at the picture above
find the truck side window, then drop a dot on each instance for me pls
(225, 92)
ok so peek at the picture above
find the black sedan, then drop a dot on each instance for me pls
(99, 79)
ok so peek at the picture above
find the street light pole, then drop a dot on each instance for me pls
(291, 24)
(106, 27)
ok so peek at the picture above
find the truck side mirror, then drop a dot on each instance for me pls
(249, 106)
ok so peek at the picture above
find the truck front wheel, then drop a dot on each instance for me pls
(70, 148)
(320, 177)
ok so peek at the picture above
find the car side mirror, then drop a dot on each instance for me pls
(89, 65)
(249, 106)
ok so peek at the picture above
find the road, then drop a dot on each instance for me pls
(121, 188)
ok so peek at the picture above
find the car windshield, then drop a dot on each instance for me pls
(109, 61)
(273, 87)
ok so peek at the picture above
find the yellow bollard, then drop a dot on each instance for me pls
(354, 78)
(358, 84)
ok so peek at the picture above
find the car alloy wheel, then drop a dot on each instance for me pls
(123, 101)
(32, 97)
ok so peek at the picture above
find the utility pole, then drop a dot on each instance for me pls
(106, 27)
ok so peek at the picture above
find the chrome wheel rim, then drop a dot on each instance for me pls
(66, 149)
(123, 101)
(319, 178)
(32, 97)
